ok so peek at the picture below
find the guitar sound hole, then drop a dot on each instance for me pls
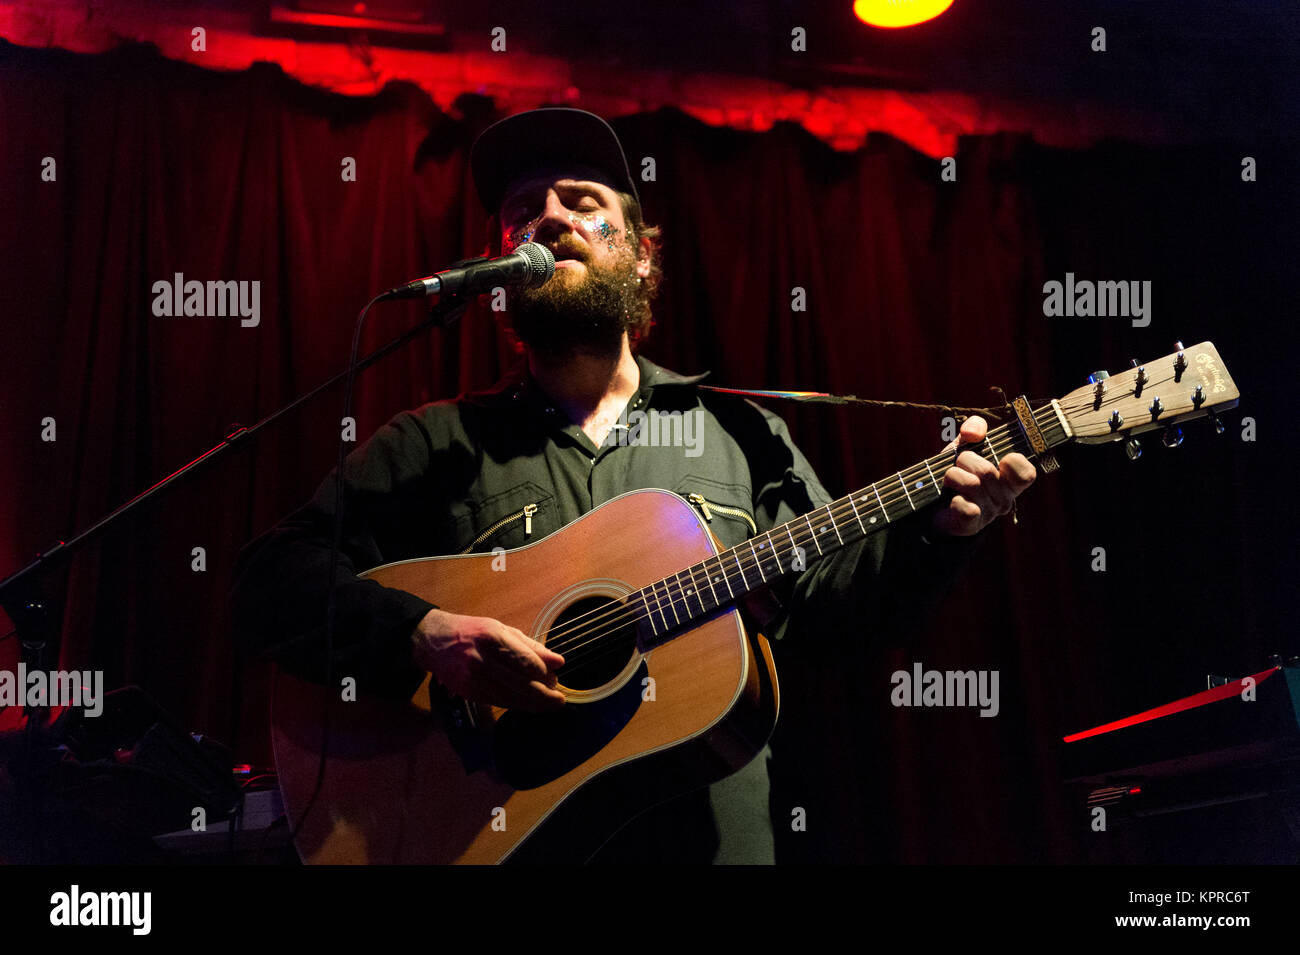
(597, 637)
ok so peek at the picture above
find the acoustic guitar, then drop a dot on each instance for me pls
(666, 689)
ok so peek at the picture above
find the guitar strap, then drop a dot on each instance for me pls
(958, 411)
(1019, 409)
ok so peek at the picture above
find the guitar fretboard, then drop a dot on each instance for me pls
(676, 602)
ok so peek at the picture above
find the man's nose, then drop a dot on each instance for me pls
(553, 220)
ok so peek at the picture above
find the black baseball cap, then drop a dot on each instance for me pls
(544, 139)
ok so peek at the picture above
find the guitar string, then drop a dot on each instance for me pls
(1006, 440)
(601, 639)
(1085, 400)
(623, 612)
(843, 509)
(1005, 443)
(592, 654)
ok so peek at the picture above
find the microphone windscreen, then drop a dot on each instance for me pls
(541, 263)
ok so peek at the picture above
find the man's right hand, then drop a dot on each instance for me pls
(486, 661)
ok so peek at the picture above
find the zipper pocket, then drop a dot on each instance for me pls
(527, 514)
(705, 507)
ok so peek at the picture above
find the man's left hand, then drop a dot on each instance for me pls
(982, 492)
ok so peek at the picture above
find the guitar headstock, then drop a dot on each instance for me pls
(1190, 383)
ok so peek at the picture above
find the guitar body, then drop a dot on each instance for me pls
(416, 782)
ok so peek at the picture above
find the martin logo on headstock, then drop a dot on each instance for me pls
(1212, 366)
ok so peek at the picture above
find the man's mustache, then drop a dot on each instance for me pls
(567, 251)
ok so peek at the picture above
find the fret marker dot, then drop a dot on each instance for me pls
(872, 521)
(920, 483)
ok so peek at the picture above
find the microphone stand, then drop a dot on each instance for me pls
(22, 593)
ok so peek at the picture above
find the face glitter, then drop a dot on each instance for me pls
(593, 223)
(596, 224)
(521, 235)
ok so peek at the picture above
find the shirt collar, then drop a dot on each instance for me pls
(653, 375)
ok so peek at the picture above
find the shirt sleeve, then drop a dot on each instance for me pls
(885, 584)
(282, 578)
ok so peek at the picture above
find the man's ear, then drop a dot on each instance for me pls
(643, 257)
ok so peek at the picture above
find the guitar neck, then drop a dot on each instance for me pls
(669, 605)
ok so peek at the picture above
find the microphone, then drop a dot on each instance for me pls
(529, 265)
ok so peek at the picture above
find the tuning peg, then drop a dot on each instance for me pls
(1180, 362)
(1141, 378)
(1116, 421)
(1133, 448)
(1097, 376)
(1198, 397)
(1172, 437)
(1156, 408)
(1218, 425)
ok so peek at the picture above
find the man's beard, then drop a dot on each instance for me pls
(589, 316)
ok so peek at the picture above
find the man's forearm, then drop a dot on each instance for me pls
(279, 610)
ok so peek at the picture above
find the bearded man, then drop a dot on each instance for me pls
(508, 466)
